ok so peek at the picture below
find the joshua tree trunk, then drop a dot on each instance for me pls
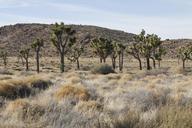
(78, 67)
(104, 60)
(183, 63)
(159, 63)
(113, 62)
(148, 63)
(121, 62)
(101, 60)
(140, 64)
(62, 62)
(154, 63)
(27, 64)
(37, 61)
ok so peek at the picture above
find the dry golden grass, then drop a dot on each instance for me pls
(132, 99)
(77, 92)
(85, 106)
(14, 106)
(174, 117)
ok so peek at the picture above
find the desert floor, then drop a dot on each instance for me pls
(160, 98)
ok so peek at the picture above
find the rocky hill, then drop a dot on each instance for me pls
(172, 46)
(14, 37)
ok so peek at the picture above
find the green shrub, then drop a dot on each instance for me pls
(103, 69)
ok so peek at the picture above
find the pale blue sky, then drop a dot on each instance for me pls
(167, 18)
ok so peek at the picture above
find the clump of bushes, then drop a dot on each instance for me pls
(41, 84)
(24, 110)
(103, 69)
(166, 117)
(20, 88)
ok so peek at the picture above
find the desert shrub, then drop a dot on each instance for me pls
(130, 120)
(160, 96)
(174, 117)
(5, 78)
(21, 109)
(13, 106)
(40, 84)
(5, 72)
(12, 91)
(86, 68)
(85, 106)
(20, 88)
(186, 71)
(103, 69)
(156, 72)
(79, 93)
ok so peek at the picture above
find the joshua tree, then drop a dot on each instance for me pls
(135, 51)
(63, 39)
(25, 54)
(3, 55)
(102, 47)
(185, 53)
(121, 49)
(149, 45)
(145, 47)
(77, 50)
(159, 53)
(156, 44)
(114, 54)
(37, 45)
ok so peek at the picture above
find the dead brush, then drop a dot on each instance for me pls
(13, 106)
(22, 109)
(79, 93)
(160, 96)
(174, 117)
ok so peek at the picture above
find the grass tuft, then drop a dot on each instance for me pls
(79, 93)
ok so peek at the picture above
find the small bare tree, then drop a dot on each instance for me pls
(77, 50)
(102, 47)
(158, 55)
(185, 53)
(135, 51)
(114, 54)
(25, 55)
(121, 49)
(37, 45)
